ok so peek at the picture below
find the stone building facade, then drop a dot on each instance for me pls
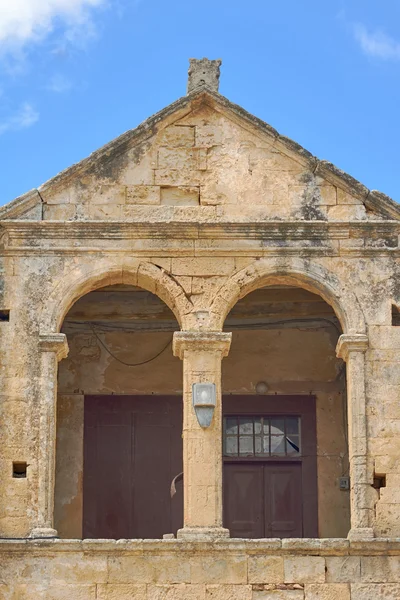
(201, 256)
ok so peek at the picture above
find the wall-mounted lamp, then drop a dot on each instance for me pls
(262, 387)
(204, 401)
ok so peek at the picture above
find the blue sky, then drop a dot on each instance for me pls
(74, 74)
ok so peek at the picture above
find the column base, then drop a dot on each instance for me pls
(43, 532)
(202, 534)
(360, 534)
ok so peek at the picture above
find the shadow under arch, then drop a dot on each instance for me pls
(82, 280)
(298, 272)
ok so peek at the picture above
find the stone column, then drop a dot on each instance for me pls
(53, 348)
(202, 354)
(352, 348)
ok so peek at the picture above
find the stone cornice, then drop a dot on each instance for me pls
(348, 343)
(54, 342)
(298, 230)
(207, 341)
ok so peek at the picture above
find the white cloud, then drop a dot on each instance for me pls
(24, 21)
(377, 43)
(25, 117)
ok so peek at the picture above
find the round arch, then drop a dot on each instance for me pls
(86, 278)
(299, 272)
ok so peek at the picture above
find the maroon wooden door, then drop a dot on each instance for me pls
(266, 494)
(263, 500)
(132, 451)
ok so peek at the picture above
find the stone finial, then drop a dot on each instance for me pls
(203, 73)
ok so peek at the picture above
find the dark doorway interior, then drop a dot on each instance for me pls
(270, 466)
(132, 451)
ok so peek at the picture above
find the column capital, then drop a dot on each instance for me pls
(356, 342)
(54, 342)
(201, 341)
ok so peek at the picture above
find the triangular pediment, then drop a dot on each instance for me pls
(202, 158)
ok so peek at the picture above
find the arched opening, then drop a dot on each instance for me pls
(119, 418)
(285, 446)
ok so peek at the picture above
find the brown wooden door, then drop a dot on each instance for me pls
(263, 500)
(132, 451)
(270, 496)
(283, 500)
(243, 500)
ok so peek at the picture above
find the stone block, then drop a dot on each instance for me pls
(203, 266)
(104, 212)
(177, 158)
(380, 569)
(327, 591)
(176, 592)
(265, 569)
(52, 592)
(143, 194)
(213, 569)
(208, 135)
(180, 196)
(176, 136)
(345, 212)
(184, 177)
(130, 569)
(123, 591)
(278, 594)
(228, 592)
(304, 569)
(59, 212)
(343, 569)
(75, 568)
(368, 591)
(171, 569)
(346, 198)
(109, 194)
(327, 195)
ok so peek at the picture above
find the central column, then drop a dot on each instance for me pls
(202, 354)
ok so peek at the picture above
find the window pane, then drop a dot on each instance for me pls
(292, 425)
(278, 446)
(231, 446)
(246, 445)
(231, 425)
(292, 444)
(257, 425)
(246, 425)
(266, 444)
(266, 426)
(258, 445)
(277, 426)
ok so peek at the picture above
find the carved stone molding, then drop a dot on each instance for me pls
(54, 342)
(347, 343)
(201, 341)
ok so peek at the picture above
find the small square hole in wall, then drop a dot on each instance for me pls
(19, 470)
(379, 481)
(395, 316)
(4, 315)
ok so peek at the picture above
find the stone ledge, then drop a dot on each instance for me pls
(277, 547)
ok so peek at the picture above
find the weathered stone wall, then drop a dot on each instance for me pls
(47, 279)
(209, 161)
(173, 570)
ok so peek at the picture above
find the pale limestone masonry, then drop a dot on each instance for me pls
(200, 205)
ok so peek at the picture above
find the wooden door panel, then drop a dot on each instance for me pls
(283, 500)
(132, 450)
(243, 500)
